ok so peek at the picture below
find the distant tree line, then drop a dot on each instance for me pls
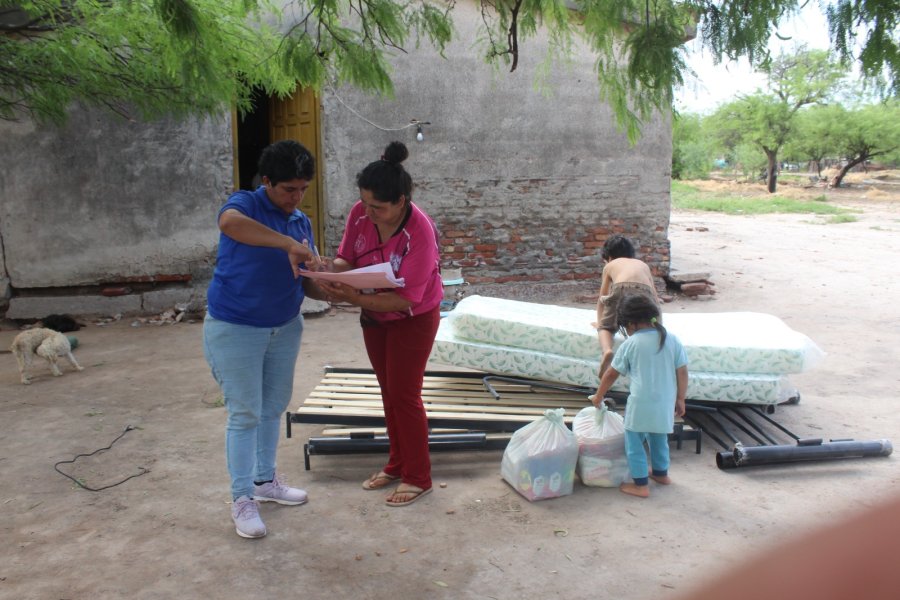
(810, 112)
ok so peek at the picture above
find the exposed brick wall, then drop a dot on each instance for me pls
(552, 233)
(524, 186)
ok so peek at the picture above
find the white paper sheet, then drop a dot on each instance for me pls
(371, 277)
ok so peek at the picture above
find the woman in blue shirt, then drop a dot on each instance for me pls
(253, 326)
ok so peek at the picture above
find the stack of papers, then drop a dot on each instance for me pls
(372, 277)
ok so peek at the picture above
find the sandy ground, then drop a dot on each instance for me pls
(167, 534)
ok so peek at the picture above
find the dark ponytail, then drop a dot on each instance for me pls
(386, 178)
(638, 308)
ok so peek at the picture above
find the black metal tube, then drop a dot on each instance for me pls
(712, 419)
(690, 405)
(773, 422)
(531, 383)
(756, 426)
(699, 427)
(748, 456)
(740, 426)
(376, 444)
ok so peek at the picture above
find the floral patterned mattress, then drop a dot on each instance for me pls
(449, 349)
(729, 342)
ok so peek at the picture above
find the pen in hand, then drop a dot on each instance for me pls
(322, 264)
(316, 263)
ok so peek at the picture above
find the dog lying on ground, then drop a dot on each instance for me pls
(60, 323)
(43, 342)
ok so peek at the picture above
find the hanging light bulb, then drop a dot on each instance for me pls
(420, 137)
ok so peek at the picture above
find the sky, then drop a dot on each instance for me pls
(720, 83)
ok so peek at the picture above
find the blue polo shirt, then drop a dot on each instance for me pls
(254, 285)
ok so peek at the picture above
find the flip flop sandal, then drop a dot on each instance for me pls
(415, 496)
(379, 481)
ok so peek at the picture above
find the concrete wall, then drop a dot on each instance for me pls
(525, 186)
(103, 201)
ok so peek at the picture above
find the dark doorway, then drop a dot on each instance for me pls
(253, 136)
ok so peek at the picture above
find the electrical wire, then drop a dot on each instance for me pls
(412, 123)
(106, 487)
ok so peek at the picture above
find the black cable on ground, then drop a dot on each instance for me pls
(106, 487)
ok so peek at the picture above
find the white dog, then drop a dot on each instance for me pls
(47, 343)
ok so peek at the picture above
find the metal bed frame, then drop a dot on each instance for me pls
(489, 411)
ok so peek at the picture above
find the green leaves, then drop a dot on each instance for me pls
(304, 60)
(735, 29)
(433, 23)
(179, 16)
(875, 25)
(351, 43)
(154, 57)
(137, 59)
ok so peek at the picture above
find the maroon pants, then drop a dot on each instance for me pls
(398, 351)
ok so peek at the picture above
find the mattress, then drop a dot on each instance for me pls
(450, 349)
(727, 342)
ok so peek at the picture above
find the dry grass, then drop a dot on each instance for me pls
(885, 176)
(881, 187)
(880, 195)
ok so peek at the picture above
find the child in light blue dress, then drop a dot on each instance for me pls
(656, 364)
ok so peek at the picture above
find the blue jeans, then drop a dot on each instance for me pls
(254, 366)
(637, 457)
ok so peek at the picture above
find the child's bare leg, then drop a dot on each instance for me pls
(606, 345)
(632, 489)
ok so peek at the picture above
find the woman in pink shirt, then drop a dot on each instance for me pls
(399, 325)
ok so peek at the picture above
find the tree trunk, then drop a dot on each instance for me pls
(837, 179)
(772, 175)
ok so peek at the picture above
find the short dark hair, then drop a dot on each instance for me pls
(386, 178)
(286, 160)
(617, 246)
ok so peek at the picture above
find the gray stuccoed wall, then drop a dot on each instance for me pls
(105, 201)
(525, 186)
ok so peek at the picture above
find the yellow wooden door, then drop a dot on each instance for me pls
(296, 117)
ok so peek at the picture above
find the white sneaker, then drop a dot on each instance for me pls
(245, 512)
(277, 491)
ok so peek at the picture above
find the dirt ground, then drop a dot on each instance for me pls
(167, 533)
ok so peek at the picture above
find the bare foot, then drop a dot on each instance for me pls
(663, 479)
(641, 491)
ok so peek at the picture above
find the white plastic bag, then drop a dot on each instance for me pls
(539, 461)
(601, 447)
